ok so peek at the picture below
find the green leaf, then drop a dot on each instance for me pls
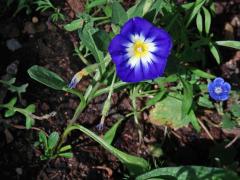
(29, 122)
(207, 17)
(214, 52)
(110, 134)
(196, 8)
(201, 73)
(66, 155)
(108, 10)
(227, 122)
(235, 110)
(187, 97)
(189, 173)
(191, 117)
(205, 102)
(95, 3)
(12, 102)
(156, 98)
(46, 77)
(13, 88)
(187, 6)
(102, 40)
(168, 112)
(231, 44)
(86, 36)
(119, 15)
(43, 139)
(140, 9)
(30, 108)
(74, 25)
(199, 22)
(65, 148)
(115, 29)
(9, 113)
(135, 165)
(53, 140)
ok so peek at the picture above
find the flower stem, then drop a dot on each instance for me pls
(107, 103)
(133, 97)
(219, 108)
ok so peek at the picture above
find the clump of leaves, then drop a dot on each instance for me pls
(44, 5)
(49, 146)
(27, 112)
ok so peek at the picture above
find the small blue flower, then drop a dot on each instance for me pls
(219, 90)
(140, 51)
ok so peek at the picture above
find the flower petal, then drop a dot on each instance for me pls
(136, 25)
(210, 87)
(226, 87)
(218, 81)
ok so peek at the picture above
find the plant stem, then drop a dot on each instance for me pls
(133, 97)
(107, 103)
(219, 107)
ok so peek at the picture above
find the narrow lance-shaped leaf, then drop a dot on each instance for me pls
(196, 8)
(231, 44)
(189, 172)
(207, 17)
(201, 73)
(214, 52)
(187, 97)
(110, 134)
(135, 165)
(199, 22)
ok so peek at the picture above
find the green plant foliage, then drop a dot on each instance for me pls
(195, 9)
(135, 165)
(141, 8)
(49, 146)
(205, 102)
(163, 113)
(187, 97)
(46, 77)
(53, 140)
(18, 89)
(199, 22)
(207, 17)
(94, 3)
(74, 25)
(27, 112)
(189, 172)
(214, 52)
(110, 134)
(44, 5)
(231, 44)
(235, 110)
(119, 15)
(227, 122)
(86, 35)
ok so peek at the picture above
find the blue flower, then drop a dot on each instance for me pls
(219, 90)
(140, 51)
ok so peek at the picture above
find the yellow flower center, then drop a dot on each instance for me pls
(140, 49)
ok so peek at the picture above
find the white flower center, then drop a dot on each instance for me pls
(218, 90)
(140, 49)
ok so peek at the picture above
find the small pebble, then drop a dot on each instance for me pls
(13, 44)
(34, 19)
(19, 171)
